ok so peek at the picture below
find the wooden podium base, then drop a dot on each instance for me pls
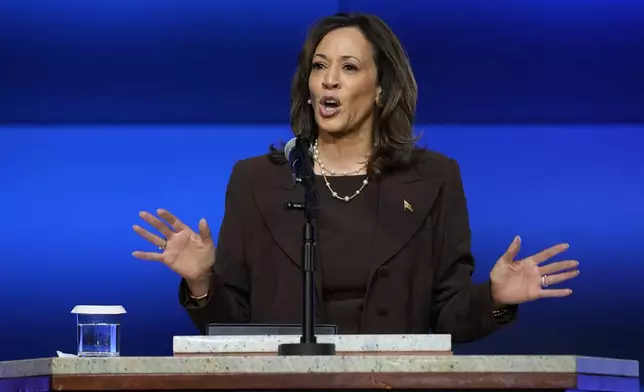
(363, 373)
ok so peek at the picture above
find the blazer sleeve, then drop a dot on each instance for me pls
(460, 308)
(228, 301)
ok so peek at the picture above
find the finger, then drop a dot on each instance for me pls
(150, 256)
(562, 277)
(204, 230)
(555, 293)
(513, 250)
(154, 239)
(548, 253)
(156, 223)
(171, 219)
(558, 267)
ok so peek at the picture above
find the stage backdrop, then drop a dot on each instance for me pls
(71, 192)
(231, 61)
(70, 195)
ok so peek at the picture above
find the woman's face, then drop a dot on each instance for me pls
(343, 82)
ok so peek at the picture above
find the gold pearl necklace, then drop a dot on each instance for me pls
(323, 170)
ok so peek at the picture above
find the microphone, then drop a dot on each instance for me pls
(298, 152)
(299, 155)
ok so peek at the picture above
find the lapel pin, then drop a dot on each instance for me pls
(408, 206)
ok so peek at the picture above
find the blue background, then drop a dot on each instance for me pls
(112, 106)
(491, 61)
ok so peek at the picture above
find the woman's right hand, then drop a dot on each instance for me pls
(189, 254)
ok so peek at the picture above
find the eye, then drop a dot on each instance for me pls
(318, 65)
(350, 67)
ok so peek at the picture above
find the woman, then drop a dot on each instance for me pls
(393, 232)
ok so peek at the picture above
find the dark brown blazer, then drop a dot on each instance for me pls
(420, 279)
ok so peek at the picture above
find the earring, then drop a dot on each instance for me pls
(309, 101)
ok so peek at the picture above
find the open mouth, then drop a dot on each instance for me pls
(329, 106)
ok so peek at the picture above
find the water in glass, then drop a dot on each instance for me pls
(98, 330)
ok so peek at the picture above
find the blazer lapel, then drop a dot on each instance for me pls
(404, 202)
(271, 194)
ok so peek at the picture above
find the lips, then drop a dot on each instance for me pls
(329, 106)
(328, 112)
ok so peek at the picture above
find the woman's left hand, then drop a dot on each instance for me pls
(516, 282)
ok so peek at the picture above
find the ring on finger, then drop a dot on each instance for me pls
(543, 281)
(165, 242)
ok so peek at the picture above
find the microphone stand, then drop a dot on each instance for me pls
(308, 344)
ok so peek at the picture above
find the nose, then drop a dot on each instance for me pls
(330, 85)
(330, 80)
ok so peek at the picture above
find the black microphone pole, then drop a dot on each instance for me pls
(302, 166)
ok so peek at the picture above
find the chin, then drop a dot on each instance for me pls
(332, 125)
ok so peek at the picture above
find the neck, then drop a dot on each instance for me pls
(344, 153)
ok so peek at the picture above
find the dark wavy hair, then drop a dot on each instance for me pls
(394, 141)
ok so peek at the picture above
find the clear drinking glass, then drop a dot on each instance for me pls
(98, 330)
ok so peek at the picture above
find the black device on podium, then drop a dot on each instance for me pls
(248, 329)
(299, 156)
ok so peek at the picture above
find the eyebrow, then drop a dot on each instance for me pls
(345, 57)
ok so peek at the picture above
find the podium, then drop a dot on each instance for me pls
(439, 344)
(370, 365)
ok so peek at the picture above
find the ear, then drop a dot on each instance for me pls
(379, 91)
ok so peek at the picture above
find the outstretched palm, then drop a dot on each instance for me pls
(187, 253)
(516, 282)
